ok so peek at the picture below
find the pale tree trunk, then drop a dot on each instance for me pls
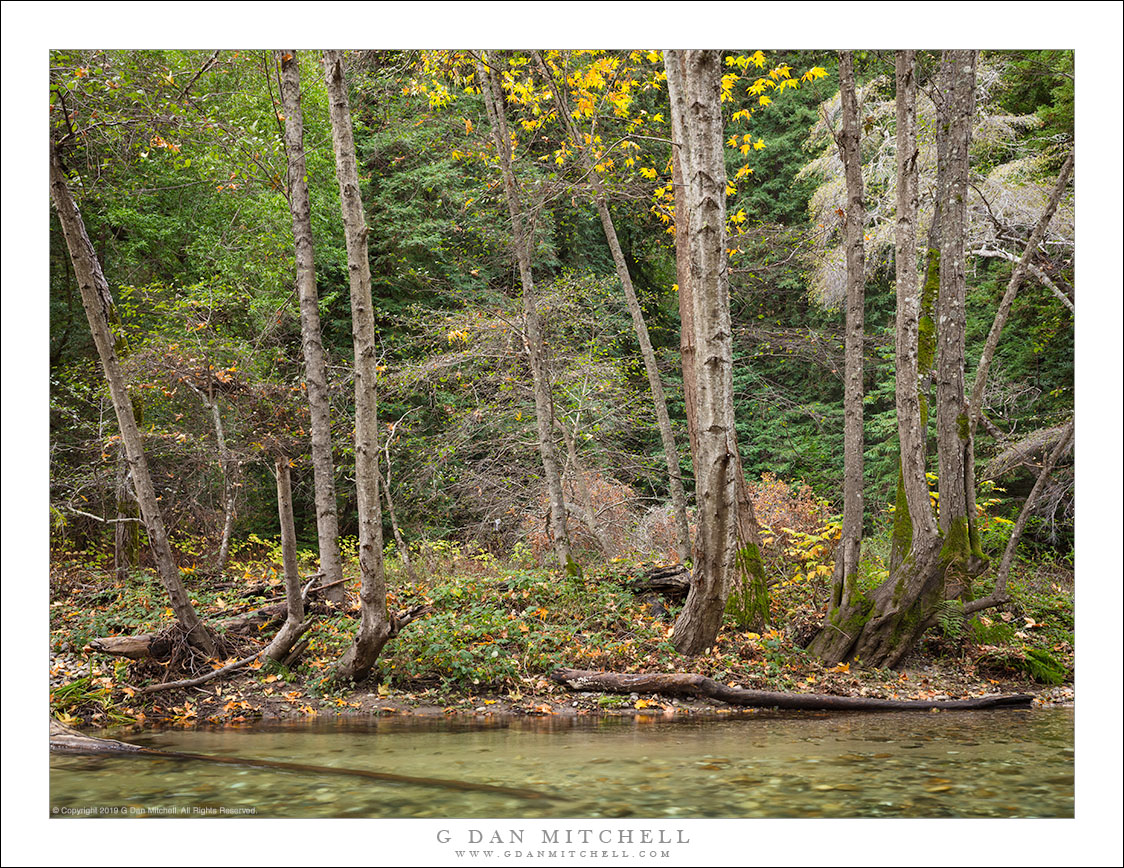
(588, 514)
(400, 541)
(914, 504)
(316, 373)
(291, 630)
(522, 242)
(881, 628)
(226, 465)
(374, 625)
(750, 603)
(99, 306)
(925, 346)
(693, 84)
(655, 383)
(850, 545)
(956, 506)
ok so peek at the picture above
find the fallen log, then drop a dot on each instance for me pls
(67, 740)
(693, 685)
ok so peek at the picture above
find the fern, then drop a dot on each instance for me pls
(950, 618)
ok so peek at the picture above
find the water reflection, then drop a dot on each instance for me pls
(1002, 763)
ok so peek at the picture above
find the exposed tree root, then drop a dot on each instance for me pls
(688, 684)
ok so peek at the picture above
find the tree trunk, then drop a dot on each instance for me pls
(126, 531)
(914, 512)
(522, 241)
(850, 545)
(316, 375)
(99, 309)
(374, 625)
(690, 684)
(655, 383)
(882, 627)
(957, 503)
(293, 627)
(226, 464)
(693, 85)
(750, 604)
(589, 517)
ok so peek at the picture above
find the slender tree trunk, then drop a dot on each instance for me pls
(882, 627)
(655, 383)
(957, 510)
(914, 504)
(228, 471)
(399, 540)
(126, 532)
(693, 84)
(291, 630)
(316, 374)
(999, 595)
(850, 545)
(588, 515)
(374, 625)
(99, 309)
(522, 242)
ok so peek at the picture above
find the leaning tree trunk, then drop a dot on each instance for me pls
(521, 241)
(850, 545)
(293, 627)
(693, 85)
(374, 626)
(882, 627)
(99, 306)
(316, 373)
(655, 383)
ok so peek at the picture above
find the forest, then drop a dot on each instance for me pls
(559, 381)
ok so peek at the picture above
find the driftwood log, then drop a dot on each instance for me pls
(67, 740)
(691, 685)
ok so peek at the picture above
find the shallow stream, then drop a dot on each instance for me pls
(1004, 763)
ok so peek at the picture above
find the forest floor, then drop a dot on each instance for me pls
(496, 632)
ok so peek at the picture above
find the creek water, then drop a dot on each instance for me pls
(1003, 763)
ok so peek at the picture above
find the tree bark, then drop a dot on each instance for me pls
(521, 242)
(850, 545)
(374, 626)
(882, 627)
(316, 374)
(956, 506)
(293, 627)
(693, 85)
(690, 684)
(99, 309)
(914, 505)
(655, 383)
(751, 604)
(126, 530)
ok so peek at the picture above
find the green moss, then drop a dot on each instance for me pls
(902, 533)
(573, 568)
(926, 328)
(749, 602)
(962, 427)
